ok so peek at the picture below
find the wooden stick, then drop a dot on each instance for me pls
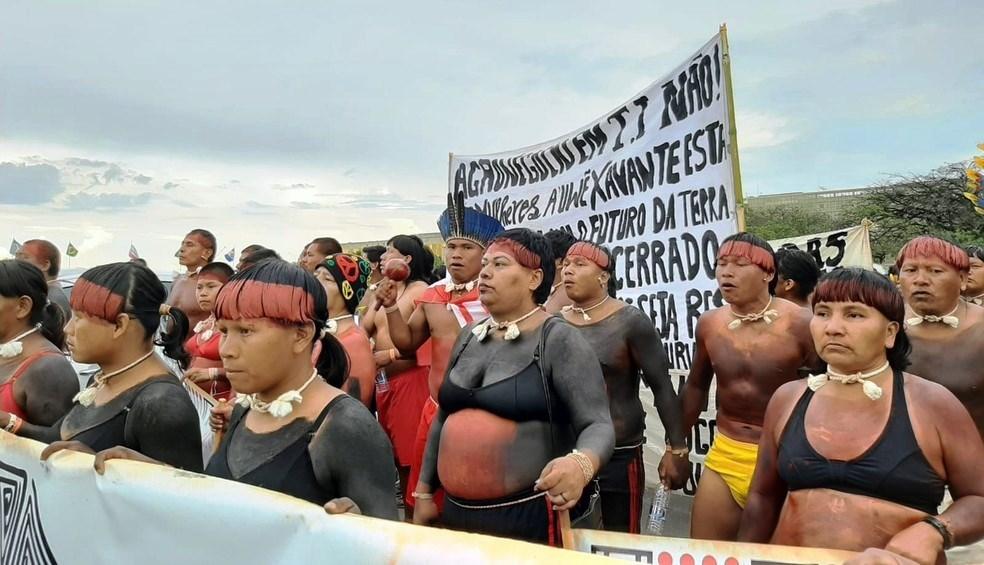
(566, 534)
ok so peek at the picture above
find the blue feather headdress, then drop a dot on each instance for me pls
(461, 222)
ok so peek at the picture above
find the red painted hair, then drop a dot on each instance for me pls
(927, 246)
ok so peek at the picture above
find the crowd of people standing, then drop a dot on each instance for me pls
(507, 391)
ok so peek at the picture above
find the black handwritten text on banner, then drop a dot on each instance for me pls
(652, 180)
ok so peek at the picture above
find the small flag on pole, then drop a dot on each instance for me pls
(15, 247)
(71, 250)
(133, 253)
(231, 255)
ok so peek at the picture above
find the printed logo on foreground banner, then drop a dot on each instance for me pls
(654, 180)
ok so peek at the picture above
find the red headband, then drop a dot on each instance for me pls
(591, 252)
(517, 251)
(95, 300)
(753, 253)
(248, 300)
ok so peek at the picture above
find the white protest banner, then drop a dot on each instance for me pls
(677, 551)
(655, 180)
(63, 512)
(849, 247)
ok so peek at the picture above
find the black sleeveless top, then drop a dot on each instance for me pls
(289, 472)
(892, 469)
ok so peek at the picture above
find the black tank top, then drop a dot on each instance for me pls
(892, 469)
(289, 472)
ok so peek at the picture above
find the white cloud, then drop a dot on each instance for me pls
(759, 130)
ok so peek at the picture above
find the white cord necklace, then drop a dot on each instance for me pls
(584, 311)
(332, 324)
(88, 396)
(765, 315)
(452, 286)
(14, 347)
(948, 319)
(481, 331)
(978, 300)
(282, 406)
(871, 390)
(206, 328)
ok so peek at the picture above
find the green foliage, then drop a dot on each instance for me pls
(907, 207)
(782, 222)
(914, 205)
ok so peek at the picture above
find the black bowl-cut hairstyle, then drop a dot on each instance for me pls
(852, 284)
(560, 242)
(798, 266)
(422, 260)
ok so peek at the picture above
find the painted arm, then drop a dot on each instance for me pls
(352, 457)
(646, 347)
(163, 425)
(577, 379)
(698, 383)
(767, 492)
(409, 335)
(46, 390)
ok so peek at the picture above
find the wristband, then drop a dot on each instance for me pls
(423, 496)
(940, 527)
(393, 355)
(392, 309)
(679, 451)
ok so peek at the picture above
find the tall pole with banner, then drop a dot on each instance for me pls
(732, 129)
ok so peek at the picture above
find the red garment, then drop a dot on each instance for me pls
(7, 401)
(427, 416)
(466, 308)
(362, 364)
(205, 355)
(399, 410)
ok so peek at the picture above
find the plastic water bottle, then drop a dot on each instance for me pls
(382, 385)
(657, 513)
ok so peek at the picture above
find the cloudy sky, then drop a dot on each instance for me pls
(135, 121)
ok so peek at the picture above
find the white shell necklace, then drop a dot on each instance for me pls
(871, 390)
(282, 406)
(481, 331)
(14, 347)
(948, 319)
(332, 324)
(88, 396)
(765, 315)
(584, 311)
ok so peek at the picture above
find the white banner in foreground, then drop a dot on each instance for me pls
(63, 512)
(654, 180)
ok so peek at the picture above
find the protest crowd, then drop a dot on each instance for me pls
(506, 392)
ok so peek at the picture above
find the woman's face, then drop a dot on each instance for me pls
(206, 290)
(335, 299)
(583, 278)
(393, 253)
(90, 339)
(311, 258)
(504, 284)
(850, 336)
(254, 352)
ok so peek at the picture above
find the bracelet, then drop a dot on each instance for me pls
(583, 461)
(213, 373)
(393, 355)
(13, 424)
(423, 496)
(943, 530)
(393, 308)
(679, 451)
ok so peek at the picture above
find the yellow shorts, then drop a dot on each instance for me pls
(735, 462)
